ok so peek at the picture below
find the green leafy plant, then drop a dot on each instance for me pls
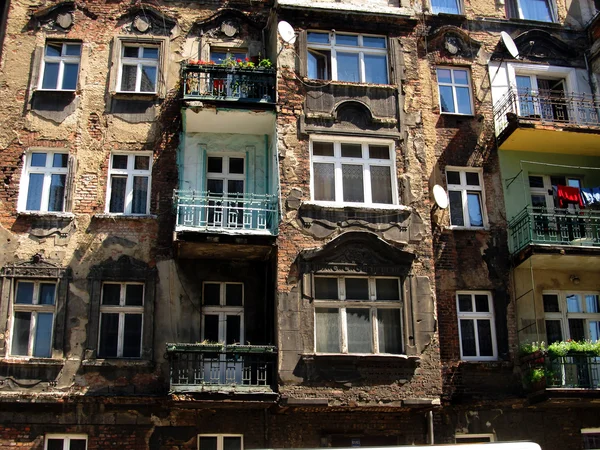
(562, 348)
(265, 63)
(531, 347)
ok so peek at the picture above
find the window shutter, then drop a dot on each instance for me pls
(423, 313)
(70, 183)
(396, 61)
(114, 64)
(307, 286)
(163, 64)
(60, 314)
(38, 54)
(302, 52)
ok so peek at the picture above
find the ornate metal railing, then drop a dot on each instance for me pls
(575, 370)
(235, 213)
(223, 368)
(213, 82)
(546, 107)
(554, 226)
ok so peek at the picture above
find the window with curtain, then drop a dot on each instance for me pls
(571, 315)
(466, 197)
(358, 315)
(129, 178)
(360, 173)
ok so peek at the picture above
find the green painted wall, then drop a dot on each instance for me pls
(516, 196)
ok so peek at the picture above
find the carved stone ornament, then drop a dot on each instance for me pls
(145, 18)
(357, 253)
(36, 267)
(64, 20)
(539, 45)
(229, 28)
(141, 24)
(452, 41)
(58, 17)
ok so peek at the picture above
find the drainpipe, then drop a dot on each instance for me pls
(430, 427)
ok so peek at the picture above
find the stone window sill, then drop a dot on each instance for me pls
(359, 356)
(141, 363)
(125, 216)
(33, 361)
(45, 214)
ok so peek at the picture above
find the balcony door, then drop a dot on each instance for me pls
(542, 97)
(225, 183)
(224, 86)
(223, 322)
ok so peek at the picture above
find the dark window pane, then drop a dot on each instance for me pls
(318, 64)
(43, 335)
(447, 99)
(215, 164)
(232, 443)
(233, 330)
(236, 165)
(56, 444)
(591, 303)
(453, 177)
(208, 443)
(536, 181)
(117, 194)
(484, 332)
(387, 289)
(131, 52)
(140, 195)
(235, 187)
(465, 303)
(352, 183)
(73, 49)
(128, 78)
(24, 293)
(211, 328)
(20, 337)
(53, 49)
(360, 330)
(357, 288)
(47, 292)
(141, 163)
(379, 152)
(351, 151)
(474, 207)
(69, 80)
(234, 294)
(109, 335)
(556, 180)
(322, 148)
(50, 79)
(214, 186)
(381, 184)
(34, 192)
(132, 336)
(324, 182)
(472, 178)
(467, 333)
(328, 330)
(119, 161)
(577, 329)
(389, 330)
(553, 331)
(148, 79)
(134, 294)
(212, 294)
(111, 294)
(150, 52)
(481, 303)
(77, 444)
(326, 288)
(591, 440)
(57, 192)
(551, 303)
(60, 160)
(456, 208)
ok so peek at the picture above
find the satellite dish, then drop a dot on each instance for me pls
(510, 45)
(440, 196)
(286, 31)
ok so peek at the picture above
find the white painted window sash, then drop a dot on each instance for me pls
(130, 173)
(474, 316)
(66, 438)
(464, 188)
(220, 437)
(563, 315)
(138, 63)
(47, 171)
(61, 60)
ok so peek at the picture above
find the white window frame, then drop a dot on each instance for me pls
(359, 49)
(477, 316)
(365, 161)
(34, 309)
(585, 431)
(122, 309)
(569, 74)
(47, 171)
(563, 315)
(458, 12)
(66, 439)
(138, 62)
(222, 310)
(61, 60)
(454, 85)
(465, 189)
(220, 439)
(130, 173)
(224, 175)
(372, 304)
(551, 6)
(487, 437)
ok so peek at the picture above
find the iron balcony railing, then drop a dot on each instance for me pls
(214, 82)
(577, 371)
(227, 213)
(546, 107)
(222, 368)
(554, 226)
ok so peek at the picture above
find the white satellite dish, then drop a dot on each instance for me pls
(286, 31)
(510, 45)
(440, 196)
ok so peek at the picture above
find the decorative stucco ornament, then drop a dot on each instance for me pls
(141, 24)
(64, 20)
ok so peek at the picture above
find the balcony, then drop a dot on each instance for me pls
(232, 84)
(528, 121)
(219, 368)
(554, 227)
(208, 212)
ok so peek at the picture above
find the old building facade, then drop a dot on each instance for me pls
(220, 230)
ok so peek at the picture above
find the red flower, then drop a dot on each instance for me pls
(239, 60)
(246, 59)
